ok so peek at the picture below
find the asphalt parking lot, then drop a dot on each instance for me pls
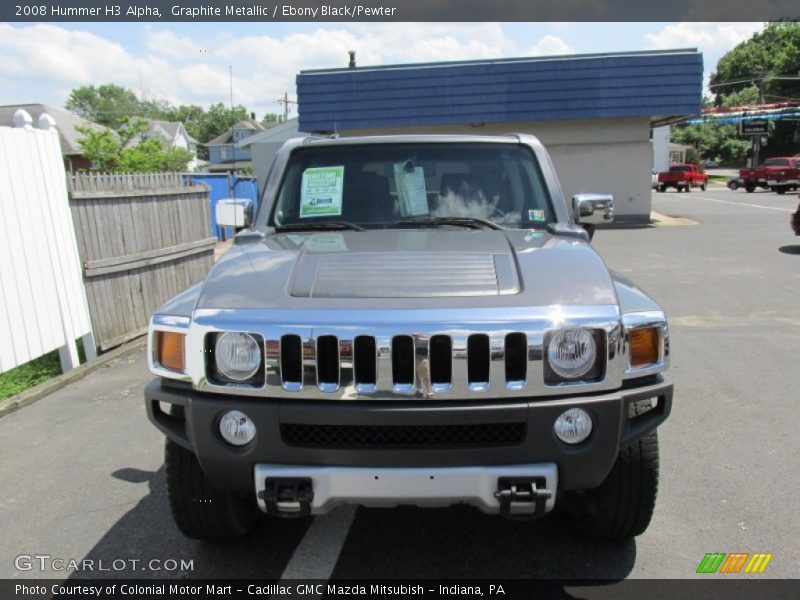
(82, 473)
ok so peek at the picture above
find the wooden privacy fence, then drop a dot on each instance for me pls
(142, 239)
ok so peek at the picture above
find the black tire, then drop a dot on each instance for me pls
(703, 186)
(621, 508)
(750, 188)
(662, 188)
(780, 190)
(200, 510)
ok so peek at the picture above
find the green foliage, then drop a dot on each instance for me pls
(769, 55)
(271, 119)
(110, 105)
(759, 69)
(713, 141)
(115, 106)
(100, 147)
(114, 151)
(28, 375)
(176, 159)
(746, 96)
(219, 118)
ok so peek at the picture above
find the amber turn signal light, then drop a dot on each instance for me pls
(644, 347)
(169, 350)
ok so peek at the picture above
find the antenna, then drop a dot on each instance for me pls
(231, 181)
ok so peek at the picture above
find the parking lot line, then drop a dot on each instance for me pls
(736, 203)
(316, 555)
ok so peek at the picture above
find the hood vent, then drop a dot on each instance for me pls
(404, 275)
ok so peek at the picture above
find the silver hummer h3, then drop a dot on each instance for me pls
(412, 320)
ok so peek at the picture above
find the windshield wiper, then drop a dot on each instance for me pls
(322, 225)
(473, 222)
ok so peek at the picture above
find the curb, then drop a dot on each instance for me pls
(46, 388)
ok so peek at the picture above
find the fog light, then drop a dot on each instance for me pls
(573, 426)
(236, 428)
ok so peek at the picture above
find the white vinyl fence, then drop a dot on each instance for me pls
(42, 299)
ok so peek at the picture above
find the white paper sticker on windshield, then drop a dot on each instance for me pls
(321, 192)
(411, 190)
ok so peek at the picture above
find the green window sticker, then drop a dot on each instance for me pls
(321, 192)
(536, 215)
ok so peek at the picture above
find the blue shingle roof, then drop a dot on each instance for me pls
(633, 84)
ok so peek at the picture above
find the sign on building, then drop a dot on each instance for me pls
(754, 127)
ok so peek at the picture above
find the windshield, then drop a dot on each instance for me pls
(681, 169)
(776, 162)
(392, 185)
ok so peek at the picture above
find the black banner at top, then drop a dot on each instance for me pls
(395, 10)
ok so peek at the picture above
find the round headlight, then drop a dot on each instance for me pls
(236, 428)
(573, 426)
(571, 352)
(237, 355)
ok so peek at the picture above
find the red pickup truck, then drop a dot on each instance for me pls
(682, 177)
(783, 173)
(779, 174)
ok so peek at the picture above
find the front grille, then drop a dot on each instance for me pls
(404, 364)
(403, 436)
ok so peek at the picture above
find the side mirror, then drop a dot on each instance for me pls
(593, 209)
(234, 212)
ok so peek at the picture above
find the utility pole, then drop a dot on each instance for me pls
(286, 102)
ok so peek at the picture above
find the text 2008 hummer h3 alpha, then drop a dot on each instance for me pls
(412, 320)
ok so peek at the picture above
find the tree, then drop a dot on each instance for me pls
(717, 141)
(764, 68)
(112, 150)
(764, 61)
(219, 118)
(109, 104)
(270, 119)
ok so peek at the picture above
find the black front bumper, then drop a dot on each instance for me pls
(192, 421)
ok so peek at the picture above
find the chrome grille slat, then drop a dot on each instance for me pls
(310, 363)
(497, 360)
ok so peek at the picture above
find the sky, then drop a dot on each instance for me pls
(188, 63)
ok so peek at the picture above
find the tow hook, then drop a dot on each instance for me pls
(287, 497)
(522, 491)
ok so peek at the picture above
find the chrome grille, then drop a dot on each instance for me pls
(407, 364)
(404, 355)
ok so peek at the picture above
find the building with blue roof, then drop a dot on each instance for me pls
(593, 112)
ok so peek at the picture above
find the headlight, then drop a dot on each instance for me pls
(237, 355)
(169, 350)
(571, 353)
(644, 347)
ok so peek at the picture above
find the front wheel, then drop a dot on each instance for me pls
(622, 506)
(662, 188)
(703, 186)
(750, 188)
(200, 510)
(780, 190)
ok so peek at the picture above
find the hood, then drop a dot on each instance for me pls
(408, 269)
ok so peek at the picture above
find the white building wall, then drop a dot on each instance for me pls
(661, 160)
(604, 156)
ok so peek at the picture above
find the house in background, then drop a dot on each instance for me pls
(263, 147)
(224, 153)
(66, 123)
(173, 135)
